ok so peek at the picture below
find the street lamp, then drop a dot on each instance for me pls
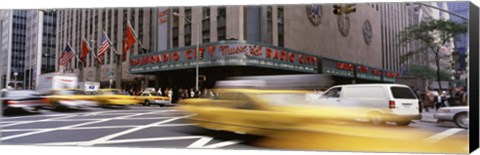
(197, 51)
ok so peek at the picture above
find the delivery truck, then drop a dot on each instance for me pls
(54, 81)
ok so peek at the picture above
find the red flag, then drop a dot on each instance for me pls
(85, 50)
(129, 40)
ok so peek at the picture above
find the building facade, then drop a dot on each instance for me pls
(74, 24)
(39, 45)
(395, 17)
(264, 40)
(13, 46)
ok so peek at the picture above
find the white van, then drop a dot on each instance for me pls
(383, 102)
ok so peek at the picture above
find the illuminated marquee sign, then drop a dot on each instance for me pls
(337, 68)
(390, 76)
(368, 73)
(225, 53)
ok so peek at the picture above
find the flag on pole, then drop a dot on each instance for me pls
(66, 56)
(103, 47)
(110, 43)
(85, 50)
(129, 40)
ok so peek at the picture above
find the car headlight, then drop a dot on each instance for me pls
(445, 110)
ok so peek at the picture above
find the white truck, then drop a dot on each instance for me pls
(60, 89)
(54, 81)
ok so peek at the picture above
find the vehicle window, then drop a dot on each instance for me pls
(284, 98)
(67, 92)
(371, 92)
(402, 93)
(333, 93)
(21, 93)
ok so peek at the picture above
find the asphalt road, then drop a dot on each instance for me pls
(138, 126)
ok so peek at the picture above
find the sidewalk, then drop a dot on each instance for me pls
(429, 116)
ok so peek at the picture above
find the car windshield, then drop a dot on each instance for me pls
(285, 99)
(156, 94)
(21, 93)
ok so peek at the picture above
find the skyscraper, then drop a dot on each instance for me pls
(13, 46)
(39, 45)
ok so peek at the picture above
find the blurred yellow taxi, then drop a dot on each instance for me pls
(70, 98)
(285, 117)
(108, 97)
(148, 98)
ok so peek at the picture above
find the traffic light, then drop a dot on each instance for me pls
(350, 8)
(337, 9)
(201, 54)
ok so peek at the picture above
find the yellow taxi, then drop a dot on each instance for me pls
(285, 117)
(148, 98)
(70, 98)
(108, 97)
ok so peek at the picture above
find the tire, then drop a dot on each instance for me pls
(147, 103)
(403, 123)
(57, 106)
(461, 120)
(376, 118)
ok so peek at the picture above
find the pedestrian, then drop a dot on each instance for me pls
(438, 100)
(159, 91)
(175, 95)
(465, 96)
(192, 93)
(170, 93)
(186, 93)
(181, 94)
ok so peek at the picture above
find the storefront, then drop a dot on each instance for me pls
(220, 60)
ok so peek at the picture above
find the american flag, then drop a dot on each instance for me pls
(66, 56)
(103, 47)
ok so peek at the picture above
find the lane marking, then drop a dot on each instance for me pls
(438, 137)
(122, 141)
(169, 125)
(65, 127)
(150, 139)
(52, 115)
(109, 137)
(202, 143)
(35, 121)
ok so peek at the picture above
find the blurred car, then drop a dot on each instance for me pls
(114, 97)
(70, 98)
(149, 98)
(258, 112)
(27, 100)
(458, 115)
(385, 102)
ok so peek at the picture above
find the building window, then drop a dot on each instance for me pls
(188, 40)
(188, 26)
(269, 25)
(175, 30)
(222, 23)
(206, 25)
(281, 29)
